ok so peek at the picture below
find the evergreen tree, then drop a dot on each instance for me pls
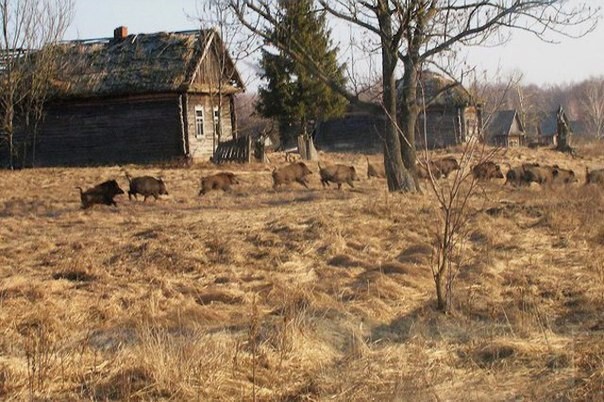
(293, 95)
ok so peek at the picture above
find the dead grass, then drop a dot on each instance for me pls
(297, 294)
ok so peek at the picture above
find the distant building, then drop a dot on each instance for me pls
(548, 128)
(504, 129)
(452, 117)
(138, 98)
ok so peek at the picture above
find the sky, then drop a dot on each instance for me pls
(571, 60)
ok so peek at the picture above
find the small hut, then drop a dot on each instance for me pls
(504, 129)
(547, 131)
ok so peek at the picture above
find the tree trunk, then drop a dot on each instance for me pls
(409, 111)
(8, 134)
(563, 131)
(439, 281)
(396, 174)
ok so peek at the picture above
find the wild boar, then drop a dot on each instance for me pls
(535, 173)
(422, 170)
(487, 170)
(219, 181)
(595, 176)
(146, 186)
(296, 171)
(100, 194)
(375, 170)
(338, 174)
(563, 176)
(446, 165)
(515, 177)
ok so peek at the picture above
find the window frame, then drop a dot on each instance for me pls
(199, 118)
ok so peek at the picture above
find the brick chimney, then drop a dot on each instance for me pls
(120, 33)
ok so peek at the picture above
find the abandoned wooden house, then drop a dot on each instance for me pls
(139, 98)
(548, 128)
(504, 129)
(451, 117)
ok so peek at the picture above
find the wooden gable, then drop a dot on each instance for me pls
(215, 71)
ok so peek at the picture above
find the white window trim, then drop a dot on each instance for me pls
(199, 135)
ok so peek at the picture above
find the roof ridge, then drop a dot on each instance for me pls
(110, 38)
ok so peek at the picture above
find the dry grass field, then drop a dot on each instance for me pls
(297, 294)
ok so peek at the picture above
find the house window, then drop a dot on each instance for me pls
(198, 122)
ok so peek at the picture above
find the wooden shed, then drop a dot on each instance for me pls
(139, 98)
(505, 129)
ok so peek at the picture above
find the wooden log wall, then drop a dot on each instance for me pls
(105, 131)
(442, 128)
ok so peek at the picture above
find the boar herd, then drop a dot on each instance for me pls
(523, 175)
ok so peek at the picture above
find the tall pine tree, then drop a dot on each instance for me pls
(293, 95)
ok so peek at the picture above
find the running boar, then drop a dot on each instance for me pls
(100, 194)
(219, 181)
(146, 186)
(515, 177)
(296, 171)
(375, 170)
(533, 172)
(338, 174)
(446, 165)
(563, 176)
(487, 170)
(595, 176)
(423, 173)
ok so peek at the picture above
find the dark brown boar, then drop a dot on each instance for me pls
(446, 165)
(535, 173)
(487, 170)
(375, 170)
(515, 177)
(296, 171)
(594, 176)
(338, 174)
(100, 194)
(219, 181)
(146, 186)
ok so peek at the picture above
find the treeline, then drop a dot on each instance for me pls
(583, 103)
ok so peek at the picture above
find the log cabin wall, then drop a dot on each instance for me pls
(120, 130)
(441, 128)
(201, 114)
(447, 126)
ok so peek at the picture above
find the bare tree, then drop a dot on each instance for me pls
(27, 27)
(414, 33)
(592, 103)
(453, 197)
